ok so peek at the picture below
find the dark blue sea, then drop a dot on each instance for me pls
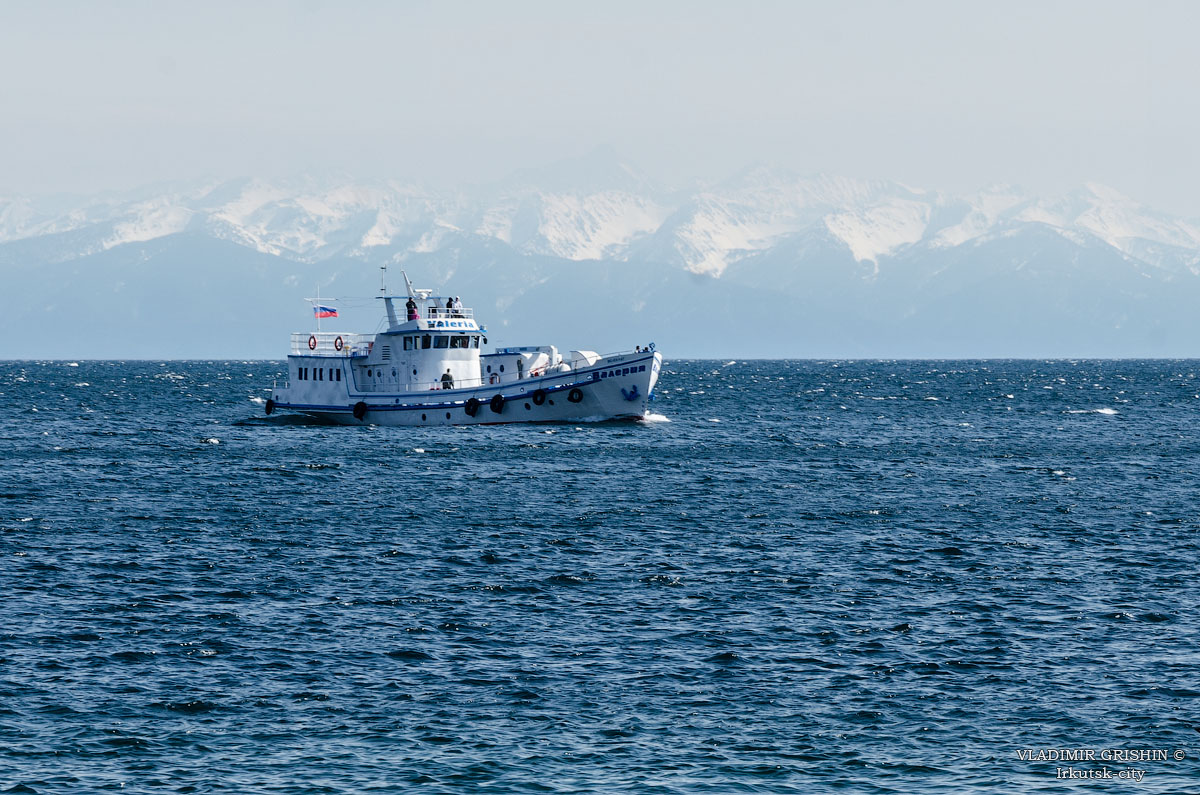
(802, 577)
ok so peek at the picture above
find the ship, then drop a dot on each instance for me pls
(429, 367)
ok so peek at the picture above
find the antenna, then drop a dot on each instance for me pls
(383, 279)
(408, 284)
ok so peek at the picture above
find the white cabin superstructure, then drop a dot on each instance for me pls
(427, 368)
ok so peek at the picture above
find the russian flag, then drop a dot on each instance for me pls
(324, 311)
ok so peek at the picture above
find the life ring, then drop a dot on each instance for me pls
(312, 342)
(497, 403)
(270, 406)
(472, 407)
(575, 395)
(360, 410)
(494, 378)
(539, 397)
(337, 344)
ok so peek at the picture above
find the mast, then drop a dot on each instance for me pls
(387, 299)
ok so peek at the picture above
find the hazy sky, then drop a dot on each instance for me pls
(950, 95)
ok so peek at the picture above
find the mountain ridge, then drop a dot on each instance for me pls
(850, 267)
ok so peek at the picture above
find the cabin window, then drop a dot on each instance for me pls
(475, 341)
(368, 373)
(408, 343)
(339, 374)
(320, 373)
(426, 341)
(441, 341)
(460, 342)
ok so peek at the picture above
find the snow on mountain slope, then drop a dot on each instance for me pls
(719, 230)
(761, 207)
(596, 226)
(879, 230)
(150, 220)
(1118, 220)
(18, 219)
(986, 210)
(275, 220)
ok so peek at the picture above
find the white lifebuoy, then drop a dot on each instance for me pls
(312, 342)
(337, 344)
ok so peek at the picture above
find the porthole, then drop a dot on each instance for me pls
(368, 373)
(528, 407)
(414, 371)
(551, 402)
(502, 368)
(489, 368)
(422, 418)
(447, 415)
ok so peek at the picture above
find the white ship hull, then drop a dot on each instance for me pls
(612, 387)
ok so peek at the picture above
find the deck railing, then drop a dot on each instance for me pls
(331, 343)
(442, 313)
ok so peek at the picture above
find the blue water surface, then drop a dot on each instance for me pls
(801, 577)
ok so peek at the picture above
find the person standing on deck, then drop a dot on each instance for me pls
(447, 380)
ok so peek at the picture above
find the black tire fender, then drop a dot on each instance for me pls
(472, 407)
(496, 403)
(270, 406)
(575, 395)
(360, 410)
(539, 397)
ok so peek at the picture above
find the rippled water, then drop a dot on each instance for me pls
(806, 577)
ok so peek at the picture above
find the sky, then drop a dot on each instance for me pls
(942, 95)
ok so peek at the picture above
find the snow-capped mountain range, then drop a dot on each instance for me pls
(889, 253)
(703, 230)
